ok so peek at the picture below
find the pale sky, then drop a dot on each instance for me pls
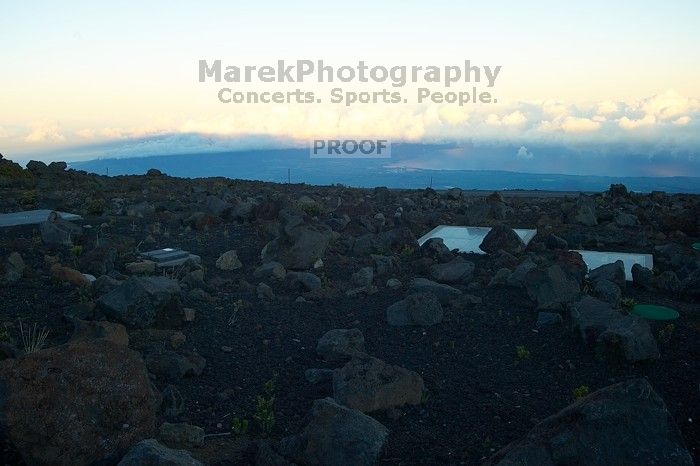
(85, 72)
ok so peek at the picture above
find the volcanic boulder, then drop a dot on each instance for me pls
(76, 404)
(625, 423)
(142, 301)
(336, 435)
(369, 384)
(502, 237)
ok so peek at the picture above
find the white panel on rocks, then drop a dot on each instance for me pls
(32, 217)
(170, 257)
(468, 239)
(594, 259)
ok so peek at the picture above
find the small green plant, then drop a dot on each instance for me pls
(580, 392)
(239, 426)
(33, 339)
(628, 303)
(6, 337)
(264, 408)
(77, 251)
(312, 210)
(666, 333)
(424, 396)
(522, 353)
(96, 207)
(406, 253)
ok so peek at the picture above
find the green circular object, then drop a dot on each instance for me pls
(654, 312)
(696, 246)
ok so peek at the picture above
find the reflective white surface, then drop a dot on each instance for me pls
(32, 217)
(594, 259)
(468, 239)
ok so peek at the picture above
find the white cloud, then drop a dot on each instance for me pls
(453, 115)
(667, 105)
(570, 124)
(555, 109)
(524, 154)
(44, 131)
(607, 107)
(629, 123)
(682, 121)
(579, 125)
(516, 118)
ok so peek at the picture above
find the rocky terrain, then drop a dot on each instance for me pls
(315, 330)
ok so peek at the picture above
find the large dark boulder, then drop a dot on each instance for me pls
(502, 237)
(612, 333)
(422, 309)
(613, 272)
(458, 270)
(142, 301)
(336, 435)
(445, 293)
(76, 404)
(625, 423)
(300, 245)
(369, 384)
(341, 344)
(550, 287)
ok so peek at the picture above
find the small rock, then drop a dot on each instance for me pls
(363, 277)
(393, 283)
(341, 344)
(181, 434)
(14, 268)
(317, 376)
(444, 293)
(548, 319)
(264, 291)
(417, 309)
(141, 268)
(151, 453)
(68, 275)
(171, 365)
(228, 261)
(270, 269)
(307, 280)
(99, 330)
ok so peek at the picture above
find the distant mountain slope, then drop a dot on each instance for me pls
(274, 165)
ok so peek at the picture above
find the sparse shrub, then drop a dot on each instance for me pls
(6, 337)
(522, 353)
(312, 210)
(406, 253)
(33, 339)
(264, 408)
(77, 251)
(581, 391)
(239, 426)
(96, 207)
(628, 303)
(28, 198)
(666, 333)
